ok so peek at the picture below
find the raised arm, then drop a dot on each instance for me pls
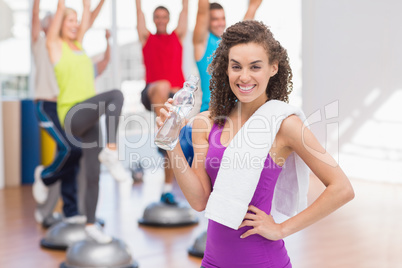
(296, 137)
(95, 13)
(181, 29)
(36, 27)
(142, 30)
(253, 5)
(200, 34)
(53, 40)
(101, 66)
(85, 21)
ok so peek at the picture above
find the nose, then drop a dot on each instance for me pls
(245, 75)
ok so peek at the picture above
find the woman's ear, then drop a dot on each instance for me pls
(274, 69)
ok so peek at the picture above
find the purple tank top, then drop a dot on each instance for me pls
(224, 246)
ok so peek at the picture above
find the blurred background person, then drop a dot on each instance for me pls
(65, 165)
(79, 107)
(162, 55)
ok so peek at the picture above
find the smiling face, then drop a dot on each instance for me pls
(249, 71)
(161, 20)
(69, 27)
(249, 67)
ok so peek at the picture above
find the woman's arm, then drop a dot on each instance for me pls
(200, 34)
(194, 182)
(95, 13)
(181, 28)
(142, 30)
(36, 27)
(253, 5)
(296, 137)
(53, 41)
(85, 21)
(101, 66)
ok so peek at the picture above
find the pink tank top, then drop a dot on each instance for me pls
(224, 246)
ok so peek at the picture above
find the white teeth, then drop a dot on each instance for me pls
(246, 88)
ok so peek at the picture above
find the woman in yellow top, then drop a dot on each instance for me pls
(79, 108)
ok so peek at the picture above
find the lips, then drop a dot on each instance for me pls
(245, 88)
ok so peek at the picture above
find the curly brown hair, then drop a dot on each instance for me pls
(223, 100)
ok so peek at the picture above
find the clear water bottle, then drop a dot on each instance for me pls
(183, 102)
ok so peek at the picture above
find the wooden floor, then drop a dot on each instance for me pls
(366, 233)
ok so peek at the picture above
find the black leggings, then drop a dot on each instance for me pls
(82, 122)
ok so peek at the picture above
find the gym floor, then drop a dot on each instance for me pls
(366, 233)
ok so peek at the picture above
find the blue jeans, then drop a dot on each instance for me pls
(66, 163)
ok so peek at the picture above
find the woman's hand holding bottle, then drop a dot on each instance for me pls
(164, 113)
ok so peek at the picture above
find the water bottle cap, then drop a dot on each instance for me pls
(192, 82)
(193, 79)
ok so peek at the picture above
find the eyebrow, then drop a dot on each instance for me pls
(254, 62)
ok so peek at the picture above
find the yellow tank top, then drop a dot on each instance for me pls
(75, 78)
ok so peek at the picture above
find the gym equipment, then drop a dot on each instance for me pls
(51, 220)
(198, 248)
(88, 253)
(163, 215)
(62, 235)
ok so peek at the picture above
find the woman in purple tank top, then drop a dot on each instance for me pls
(250, 68)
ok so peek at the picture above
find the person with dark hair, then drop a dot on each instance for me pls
(65, 165)
(239, 162)
(162, 54)
(79, 107)
(210, 24)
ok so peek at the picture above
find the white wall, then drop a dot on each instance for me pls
(352, 59)
(6, 21)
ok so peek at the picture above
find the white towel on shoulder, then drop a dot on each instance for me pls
(243, 162)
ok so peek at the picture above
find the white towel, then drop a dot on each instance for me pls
(243, 162)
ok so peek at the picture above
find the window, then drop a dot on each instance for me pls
(15, 60)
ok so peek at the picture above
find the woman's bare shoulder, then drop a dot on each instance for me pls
(202, 125)
(203, 121)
